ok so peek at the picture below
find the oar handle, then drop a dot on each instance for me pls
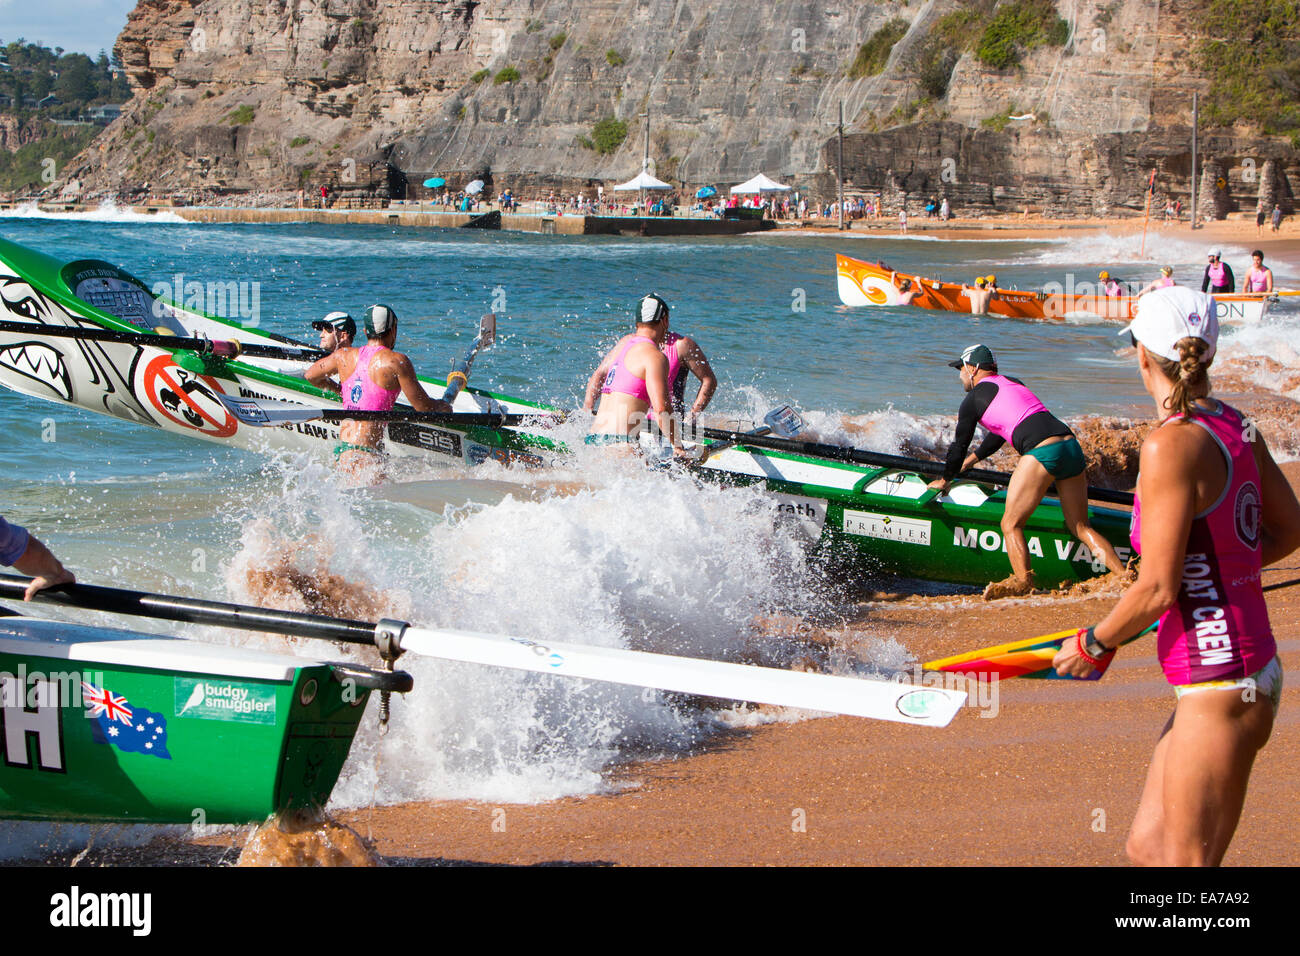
(194, 610)
(222, 348)
(880, 460)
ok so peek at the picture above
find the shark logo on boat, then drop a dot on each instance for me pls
(133, 730)
(74, 370)
(187, 399)
(41, 363)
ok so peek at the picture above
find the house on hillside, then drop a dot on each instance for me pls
(104, 113)
(45, 102)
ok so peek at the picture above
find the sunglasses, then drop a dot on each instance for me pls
(1133, 340)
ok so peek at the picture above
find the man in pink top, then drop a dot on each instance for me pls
(372, 377)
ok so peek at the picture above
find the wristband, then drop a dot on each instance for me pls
(1079, 637)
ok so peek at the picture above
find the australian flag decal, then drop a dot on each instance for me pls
(130, 729)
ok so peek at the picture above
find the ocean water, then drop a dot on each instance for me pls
(604, 553)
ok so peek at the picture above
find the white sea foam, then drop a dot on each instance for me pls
(638, 559)
(108, 211)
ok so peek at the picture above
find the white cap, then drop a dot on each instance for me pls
(1217, 253)
(1165, 316)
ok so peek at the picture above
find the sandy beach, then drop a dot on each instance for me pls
(1033, 773)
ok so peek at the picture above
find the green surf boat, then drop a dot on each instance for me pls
(88, 334)
(109, 725)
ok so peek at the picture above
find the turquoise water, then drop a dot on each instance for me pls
(628, 559)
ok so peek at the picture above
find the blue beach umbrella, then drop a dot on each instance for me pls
(435, 182)
(705, 192)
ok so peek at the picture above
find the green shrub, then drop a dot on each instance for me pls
(1017, 27)
(614, 58)
(508, 75)
(533, 26)
(299, 141)
(874, 54)
(241, 116)
(608, 135)
(557, 41)
(480, 76)
(1252, 58)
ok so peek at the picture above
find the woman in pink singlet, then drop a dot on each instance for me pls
(1212, 509)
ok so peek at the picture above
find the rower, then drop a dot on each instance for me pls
(1049, 452)
(634, 374)
(907, 291)
(1260, 277)
(372, 377)
(1218, 274)
(1165, 281)
(337, 330)
(1110, 286)
(21, 550)
(979, 295)
(684, 354)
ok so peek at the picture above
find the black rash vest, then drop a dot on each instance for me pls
(1030, 433)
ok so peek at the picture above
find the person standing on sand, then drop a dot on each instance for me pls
(1277, 217)
(1260, 216)
(902, 218)
(1212, 509)
(1049, 453)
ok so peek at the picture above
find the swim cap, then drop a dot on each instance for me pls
(379, 319)
(652, 309)
(1166, 271)
(1103, 275)
(978, 355)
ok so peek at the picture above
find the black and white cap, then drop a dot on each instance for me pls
(978, 355)
(379, 319)
(651, 310)
(338, 321)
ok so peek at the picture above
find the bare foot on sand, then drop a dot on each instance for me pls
(1012, 586)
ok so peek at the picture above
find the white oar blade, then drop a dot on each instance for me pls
(879, 700)
(252, 411)
(784, 421)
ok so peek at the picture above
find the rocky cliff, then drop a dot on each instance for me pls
(233, 95)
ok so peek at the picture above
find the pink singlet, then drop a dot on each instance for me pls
(1254, 284)
(620, 378)
(669, 348)
(1218, 629)
(1165, 282)
(1011, 406)
(1218, 278)
(362, 394)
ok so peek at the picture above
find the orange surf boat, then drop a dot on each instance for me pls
(872, 283)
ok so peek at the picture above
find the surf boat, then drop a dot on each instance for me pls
(871, 283)
(88, 334)
(109, 725)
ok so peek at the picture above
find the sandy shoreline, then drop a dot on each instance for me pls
(1043, 773)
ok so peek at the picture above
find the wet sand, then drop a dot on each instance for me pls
(1044, 773)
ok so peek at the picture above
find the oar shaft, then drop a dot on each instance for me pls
(880, 460)
(219, 347)
(486, 419)
(193, 610)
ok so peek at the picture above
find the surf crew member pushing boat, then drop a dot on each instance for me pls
(979, 296)
(632, 381)
(684, 355)
(1049, 452)
(337, 330)
(1212, 509)
(1218, 274)
(21, 550)
(1260, 277)
(372, 377)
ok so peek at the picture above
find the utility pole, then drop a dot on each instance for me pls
(1195, 184)
(839, 167)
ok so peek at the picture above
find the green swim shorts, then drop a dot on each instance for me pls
(1062, 459)
(610, 440)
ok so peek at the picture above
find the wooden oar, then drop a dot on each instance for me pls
(859, 456)
(1032, 656)
(877, 699)
(221, 348)
(256, 411)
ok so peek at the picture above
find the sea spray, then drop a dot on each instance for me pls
(639, 559)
